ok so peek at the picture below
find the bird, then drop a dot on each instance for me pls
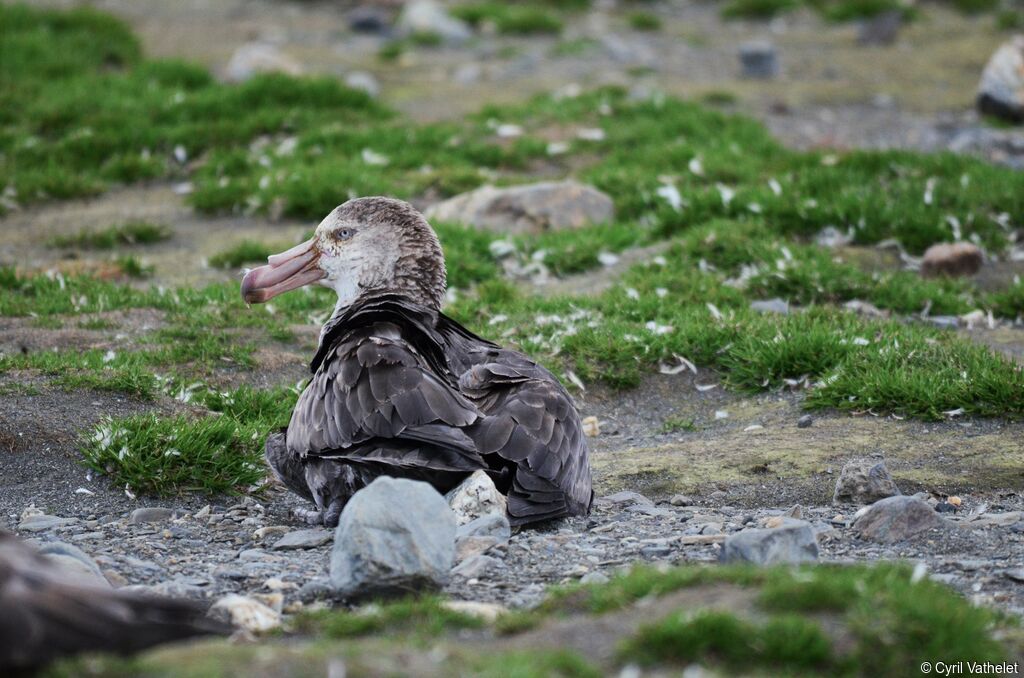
(399, 389)
(47, 613)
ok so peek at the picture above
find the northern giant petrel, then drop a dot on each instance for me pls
(45, 613)
(399, 389)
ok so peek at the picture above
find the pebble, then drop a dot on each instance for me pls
(246, 613)
(475, 497)
(681, 500)
(303, 539)
(489, 612)
(151, 514)
(594, 577)
(477, 566)
(759, 60)
(779, 306)
(805, 421)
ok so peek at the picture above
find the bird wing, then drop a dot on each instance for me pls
(43, 616)
(376, 399)
(532, 422)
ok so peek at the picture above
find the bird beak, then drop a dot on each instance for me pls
(285, 271)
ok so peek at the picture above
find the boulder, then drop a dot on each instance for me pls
(1001, 91)
(793, 541)
(530, 208)
(476, 496)
(259, 57)
(394, 537)
(430, 18)
(863, 481)
(77, 563)
(897, 518)
(952, 259)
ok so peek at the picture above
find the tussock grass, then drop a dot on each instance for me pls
(510, 18)
(130, 233)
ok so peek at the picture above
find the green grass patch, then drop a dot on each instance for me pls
(678, 425)
(426, 616)
(130, 233)
(245, 252)
(510, 18)
(645, 21)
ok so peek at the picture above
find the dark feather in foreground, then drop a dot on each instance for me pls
(401, 390)
(44, 615)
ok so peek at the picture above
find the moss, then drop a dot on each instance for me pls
(425, 617)
(245, 252)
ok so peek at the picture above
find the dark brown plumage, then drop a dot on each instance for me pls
(44, 615)
(400, 389)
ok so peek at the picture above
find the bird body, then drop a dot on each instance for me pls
(399, 389)
(45, 614)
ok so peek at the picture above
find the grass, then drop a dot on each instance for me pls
(510, 18)
(678, 425)
(645, 21)
(842, 620)
(737, 210)
(842, 10)
(129, 233)
(245, 252)
(425, 616)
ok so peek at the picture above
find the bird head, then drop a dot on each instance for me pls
(367, 245)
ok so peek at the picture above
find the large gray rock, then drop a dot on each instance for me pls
(530, 208)
(863, 481)
(759, 60)
(792, 542)
(1001, 91)
(430, 18)
(394, 537)
(897, 518)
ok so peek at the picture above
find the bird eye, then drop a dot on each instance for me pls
(344, 233)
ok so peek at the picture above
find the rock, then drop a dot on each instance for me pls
(626, 498)
(529, 208)
(151, 514)
(488, 612)
(303, 539)
(259, 57)
(42, 522)
(881, 29)
(594, 578)
(395, 536)
(477, 566)
(776, 305)
(759, 60)
(792, 542)
(897, 518)
(952, 259)
(245, 613)
(805, 421)
(491, 525)
(863, 481)
(795, 511)
(681, 500)
(430, 18)
(1001, 91)
(318, 588)
(591, 426)
(75, 561)
(368, 19)
(364, 82)
(467, 547)
(476, 496)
